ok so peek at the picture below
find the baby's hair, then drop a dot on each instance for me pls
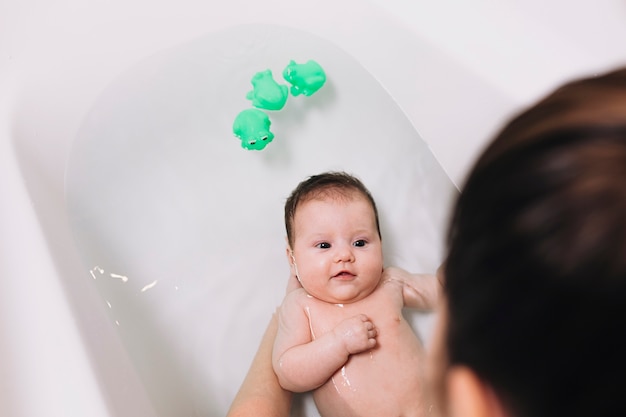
(334, 184)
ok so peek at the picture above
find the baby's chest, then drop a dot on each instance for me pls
(384, 312)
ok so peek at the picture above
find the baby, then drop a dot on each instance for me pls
(342, 334)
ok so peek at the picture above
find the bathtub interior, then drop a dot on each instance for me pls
(181, 229)
(63, 354)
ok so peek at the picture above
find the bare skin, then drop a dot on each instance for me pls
(343, 334)
(260, 394)
(352, 373)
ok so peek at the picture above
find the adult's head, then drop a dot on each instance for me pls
(535, 277)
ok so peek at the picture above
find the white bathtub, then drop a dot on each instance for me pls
(455, 71)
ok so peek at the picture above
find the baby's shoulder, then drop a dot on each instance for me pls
(295, 297)
(391, 285)
(391, 289)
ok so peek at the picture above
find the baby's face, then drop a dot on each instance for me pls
(337, 249)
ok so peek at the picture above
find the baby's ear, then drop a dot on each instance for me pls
(294, 281)
(289, 253)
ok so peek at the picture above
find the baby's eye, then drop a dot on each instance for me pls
(323, 245)
(360, 243)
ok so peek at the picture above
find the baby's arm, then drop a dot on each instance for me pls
(303, 364)
(420, 291)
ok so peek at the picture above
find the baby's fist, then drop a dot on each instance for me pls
(358, 333)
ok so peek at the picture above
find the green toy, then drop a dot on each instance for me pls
(252, 126)
(267, 94)
(305, 78)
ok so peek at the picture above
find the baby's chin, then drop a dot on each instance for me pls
(342, 297)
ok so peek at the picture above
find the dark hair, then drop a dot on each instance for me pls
(536, 265)
(331, 183)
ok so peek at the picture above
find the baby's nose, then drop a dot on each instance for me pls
(344, 253)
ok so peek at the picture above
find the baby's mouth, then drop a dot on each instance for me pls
(344, 275)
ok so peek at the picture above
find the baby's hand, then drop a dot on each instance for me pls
(357, 333)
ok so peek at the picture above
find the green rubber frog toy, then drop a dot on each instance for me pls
(267, 94)
(252, 126)
(304, 78)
